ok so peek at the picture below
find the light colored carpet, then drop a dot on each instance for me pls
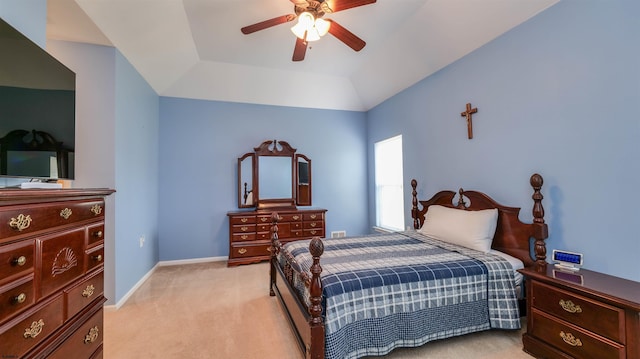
(210, 311)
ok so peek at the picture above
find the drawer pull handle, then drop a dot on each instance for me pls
(243, 220)
(97, 234)
(296, 217)
(92, 336)
(242, 251)
(313, 224)
(20, 261)
(570, 339)
(244, 228)
(66, 213)
(88, 291)
(269, 249)
(97, 258)
(313, 216)
(34, 330)
(568, 306)
(264, 219)
(20, 298)
(244, 236)
(21, 222)
(96, 209)
(313, 231)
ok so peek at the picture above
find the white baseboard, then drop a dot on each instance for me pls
(131, 291)
(191, 261)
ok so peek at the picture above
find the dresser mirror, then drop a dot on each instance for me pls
(274, 175)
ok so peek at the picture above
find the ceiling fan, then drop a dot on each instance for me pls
(311, 26)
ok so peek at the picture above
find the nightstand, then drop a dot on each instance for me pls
(581, 314)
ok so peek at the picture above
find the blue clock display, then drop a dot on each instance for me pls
(567, 259)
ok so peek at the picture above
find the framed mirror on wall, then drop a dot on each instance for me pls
(273, 175)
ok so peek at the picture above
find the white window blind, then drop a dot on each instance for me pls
(388, 182)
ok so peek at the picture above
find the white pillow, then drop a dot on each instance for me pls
(471, 229)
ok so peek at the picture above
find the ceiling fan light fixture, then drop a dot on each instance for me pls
(310, 29)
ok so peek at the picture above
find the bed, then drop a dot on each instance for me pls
(365, 296)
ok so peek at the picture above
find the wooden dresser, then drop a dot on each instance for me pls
(581, 314)
(250, 237)
(51, 273)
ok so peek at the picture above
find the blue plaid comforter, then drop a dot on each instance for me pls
(403, 289)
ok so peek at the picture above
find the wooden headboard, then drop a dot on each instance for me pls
(512, 236)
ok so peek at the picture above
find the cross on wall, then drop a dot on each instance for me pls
(469, 115)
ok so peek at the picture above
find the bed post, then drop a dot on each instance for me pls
(272, 250)
(316, 349)
(541, 231)
(414, 204)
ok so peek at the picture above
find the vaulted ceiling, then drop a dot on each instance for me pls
(194, 48)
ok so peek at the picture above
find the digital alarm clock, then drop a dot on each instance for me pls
(567, 260)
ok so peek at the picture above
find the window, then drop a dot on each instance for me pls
(388, 182)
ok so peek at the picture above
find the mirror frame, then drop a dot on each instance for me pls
(242, 186)
(274, 148)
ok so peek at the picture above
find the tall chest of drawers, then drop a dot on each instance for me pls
(51, 273)
(581, 314)
(250, 236)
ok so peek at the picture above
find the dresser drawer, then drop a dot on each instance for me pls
(237, 220)
(313, 225)
(27, 219)
(16, 297)
(253, 250)
(245, 228)
(95, 234)
(295, 217)
(19, 337)
(84, 342)
(62, 260)
(95, 258)
(575, 341)
(314, 216)
(313, 233)
(242, 237)
(84, 293)
(16, 259)
(595, 316)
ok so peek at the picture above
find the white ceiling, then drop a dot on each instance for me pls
(194, 48)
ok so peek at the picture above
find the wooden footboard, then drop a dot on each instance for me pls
(306, 323)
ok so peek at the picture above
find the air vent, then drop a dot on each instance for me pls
(338, 234)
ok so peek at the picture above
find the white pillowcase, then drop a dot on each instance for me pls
(471, 229)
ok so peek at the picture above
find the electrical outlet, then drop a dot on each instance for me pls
(142, 239)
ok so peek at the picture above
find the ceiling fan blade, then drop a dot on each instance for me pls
(346, 36)
(339, 5)
(299, 50)
(267, 23)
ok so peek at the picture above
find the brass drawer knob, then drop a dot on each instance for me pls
(96, 209)
(570, 339)
(94, 333)
(20, 261)
(88, 291)
(97, 234)
(20, 222)
(568, 306)
(97, 258)
(66, 213)
(242, 250)
(20, 298)
(269, 249)
(34, 330)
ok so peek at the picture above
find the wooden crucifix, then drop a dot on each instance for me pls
(469, 115)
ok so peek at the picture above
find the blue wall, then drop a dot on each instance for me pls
(556, 95)
(200, 142)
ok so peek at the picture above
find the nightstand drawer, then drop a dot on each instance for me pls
(595, 316)
(579, 343)
(16, 297)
